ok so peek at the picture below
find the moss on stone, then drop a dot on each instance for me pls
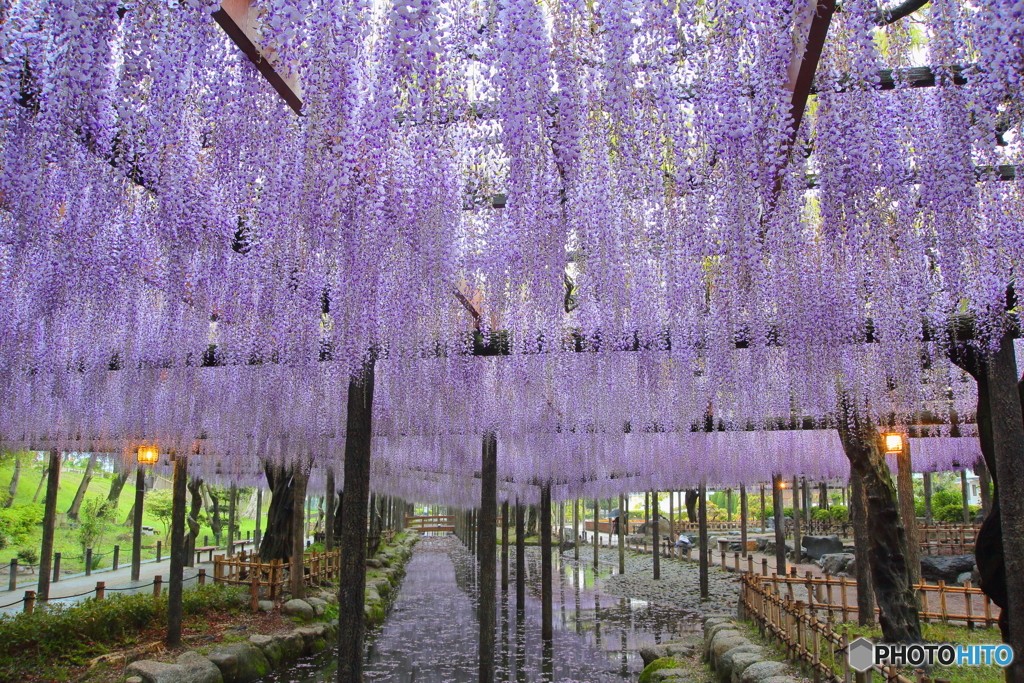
(657, 665)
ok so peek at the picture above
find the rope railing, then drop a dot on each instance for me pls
(99, 592)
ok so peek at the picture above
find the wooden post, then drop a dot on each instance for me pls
(657, 536)
(647, 510)
(30, 601)
(521, 557)
(561, 526)
(487, 554)
(797, 547)
(12, 575)
(597, 536)
(905, 492)
(926, 481)
(743, 519)
(728, 505)
(231, 519)
(101, 589)
(158, 585)
(257, 536)
(504, 546)
(547, 631)
(49, 521)
(114, 561)
(861, 542)
(56, 567)
(575, 529)
(702, 520)
(764, 522)
(329, 512)
(88, 561)
(140, 497)
(621, 535)
(176, 584)
(780, 525)
(352, 541)
(296, 573)
(202, 577)
(964, 490)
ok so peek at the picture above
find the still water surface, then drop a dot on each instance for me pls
(431, 632)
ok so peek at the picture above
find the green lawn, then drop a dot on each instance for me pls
(66, 541)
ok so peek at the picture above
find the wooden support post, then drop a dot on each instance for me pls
(158, 585)
(797, 547)
(12, 575)
(232, 495)
(116, 558)
(202, 577)
(504, 546)
(257, 536)
(49, 522)
(329, 512)
(56, 567)
(597, 536)
(88, 561)
(728, 505)
(780, 525)
(547, 630)
(964, 494)
(352, 541)
(702, 521)
(175, 586)
(101, 589)
(905, 493)
(926, 481)
(140, 497)
(576, 529)
(647, 510)
(561, 526)
(764, 521)
(621, 535)
(657, 536)
(30, 602)
(743, 519)
(487, 554)
(521, 557)
(296, 573)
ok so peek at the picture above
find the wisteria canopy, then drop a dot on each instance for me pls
(612, 185)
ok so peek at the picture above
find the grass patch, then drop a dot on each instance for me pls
(933, 633)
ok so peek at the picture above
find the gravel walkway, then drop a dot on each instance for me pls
(679, 585)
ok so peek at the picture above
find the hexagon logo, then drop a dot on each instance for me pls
(861, 654)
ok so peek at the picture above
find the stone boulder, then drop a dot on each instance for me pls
(722, 643)
(271, 648)
(945, 567)
(741, 663)
(761, 671)
(298, 608)
(292, 644)
(677, 649)
(240, 662)
(816, 546)
(157, 672)
(199, 669)
(318, 605)
(726, 663)
(834, 563)
(668, 675)
(266, 605)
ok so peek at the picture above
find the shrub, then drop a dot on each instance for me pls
(839, 513)
(822, 515)
(28, 556)
(18, 522)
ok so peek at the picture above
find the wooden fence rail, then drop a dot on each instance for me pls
(247, 569)
(807, 638)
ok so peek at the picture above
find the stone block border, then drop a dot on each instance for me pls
(250, 660)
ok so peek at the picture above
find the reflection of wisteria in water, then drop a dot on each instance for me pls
(431, 632)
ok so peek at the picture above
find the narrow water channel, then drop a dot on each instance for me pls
(431, 632)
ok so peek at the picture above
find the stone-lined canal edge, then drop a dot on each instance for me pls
(726, 648)
(250, 660)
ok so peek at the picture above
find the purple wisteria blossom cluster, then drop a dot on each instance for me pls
(612, 186)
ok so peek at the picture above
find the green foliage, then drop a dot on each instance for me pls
(839, 513)
(19, 521)
(28, 556)
(93, 521)
(657, 665)
(330, 612)
(822, 515)
(63, 634)
(160, 504)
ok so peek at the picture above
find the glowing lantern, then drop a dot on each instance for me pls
(149, 455)
(893, 444)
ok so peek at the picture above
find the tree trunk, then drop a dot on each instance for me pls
(116, 486)
(213, 511)
(780, 525)
(984, 486)
(691, 505)
(329, 508)
(861, 544)
(823, 495)
(136, 517)
(232, 504)
(656, 573)
(49, 521)
(546, 593)
(521, 557)
(39, 488)
(890, 573)
(175, 585)
(195, 489)
(276, 543)
(352, 541)
(488, 555)
(702, 501)
(297, 572)
(908, 514)
(76, 504)
(12, 490)
(926, 482)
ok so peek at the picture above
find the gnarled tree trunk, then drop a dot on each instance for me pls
(76, 504)
(277, 537)
(12, 490)
(116, 486)
(890, 574)
(691, 505)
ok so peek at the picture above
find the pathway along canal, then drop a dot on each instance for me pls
(431, 632)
